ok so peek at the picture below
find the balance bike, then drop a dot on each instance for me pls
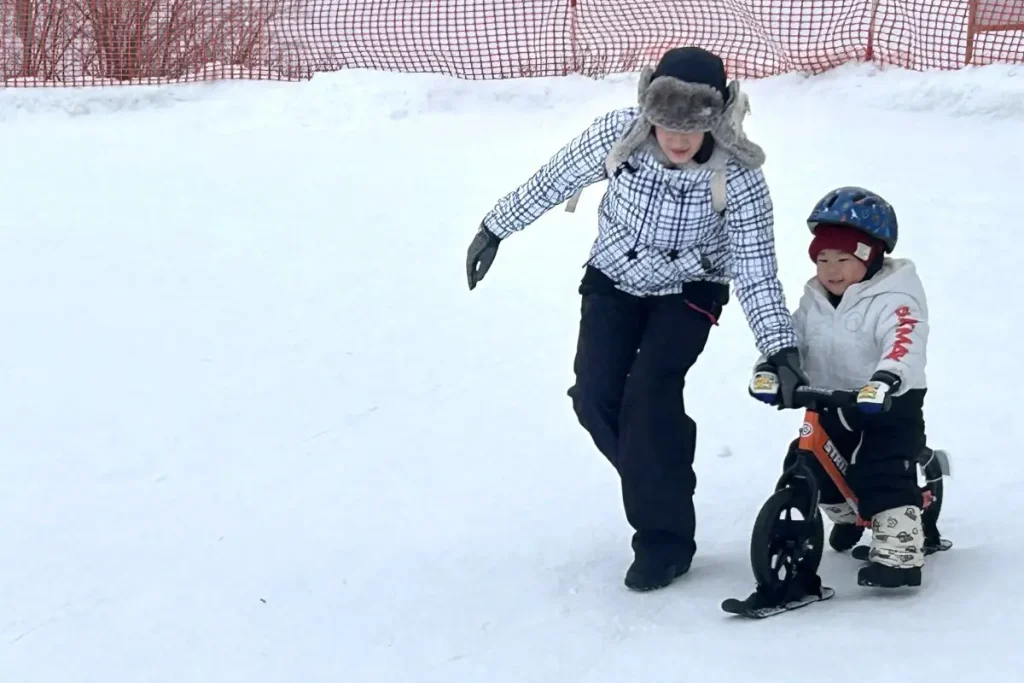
(787, 541)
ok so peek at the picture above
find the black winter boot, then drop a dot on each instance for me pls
(844, 536)
(845, 532)
(647, 573)
(657, 562)
(882, 576)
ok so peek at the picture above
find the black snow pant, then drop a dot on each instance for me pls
(632, 357)
(882, 450)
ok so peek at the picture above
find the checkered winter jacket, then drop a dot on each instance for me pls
(657, 225)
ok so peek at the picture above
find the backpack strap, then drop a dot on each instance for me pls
(718, 187)
(634, 134)
(570, 205)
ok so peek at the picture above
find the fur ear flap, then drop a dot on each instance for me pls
(739, 105)
(729, 131)
(634, 136)
(644, 83)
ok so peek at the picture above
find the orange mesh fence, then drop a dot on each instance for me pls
(91, 42)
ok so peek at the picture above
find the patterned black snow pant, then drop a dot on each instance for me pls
(881, 449)
(632, 357)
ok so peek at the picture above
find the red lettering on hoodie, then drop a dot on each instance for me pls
(904, 328)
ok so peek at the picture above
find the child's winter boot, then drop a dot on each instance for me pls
(897, 552)
(845, 530)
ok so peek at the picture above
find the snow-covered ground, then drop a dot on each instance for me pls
(254, 427)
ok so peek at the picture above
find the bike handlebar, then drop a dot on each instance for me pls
(807, 397)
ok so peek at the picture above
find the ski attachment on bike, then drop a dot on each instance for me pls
(793, 595)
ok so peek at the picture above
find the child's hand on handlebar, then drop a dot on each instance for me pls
(764, 385)
(876, 395)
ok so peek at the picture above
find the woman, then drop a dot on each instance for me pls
(686, 212)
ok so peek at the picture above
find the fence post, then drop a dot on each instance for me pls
(972, 27)
(869, 52)
(574, 56)
(24, 28)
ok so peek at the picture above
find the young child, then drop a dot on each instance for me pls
(863, 324)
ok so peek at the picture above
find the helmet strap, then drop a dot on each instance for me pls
(875, 265)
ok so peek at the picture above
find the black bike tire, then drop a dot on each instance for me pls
(762, 535)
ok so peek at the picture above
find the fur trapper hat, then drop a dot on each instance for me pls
(688, 92)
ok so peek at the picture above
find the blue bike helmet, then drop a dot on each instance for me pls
(858, 208)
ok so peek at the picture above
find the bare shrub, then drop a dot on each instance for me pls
(135, 40)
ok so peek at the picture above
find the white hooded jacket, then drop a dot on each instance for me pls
(880, 324)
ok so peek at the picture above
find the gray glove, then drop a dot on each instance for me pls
(480, 256)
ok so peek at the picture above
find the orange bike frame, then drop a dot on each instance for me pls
(813, 439)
